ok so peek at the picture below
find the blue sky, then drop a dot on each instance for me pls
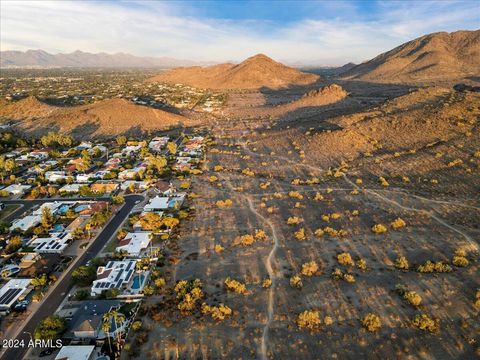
(296, 32)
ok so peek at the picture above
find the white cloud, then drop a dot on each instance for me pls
(165, 29)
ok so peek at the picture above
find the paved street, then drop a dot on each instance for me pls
(55, 298)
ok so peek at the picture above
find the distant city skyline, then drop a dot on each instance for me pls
(300, 32)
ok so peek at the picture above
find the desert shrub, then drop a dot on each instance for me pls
(333, 232)
(216, 312)
(379, 228)
(248, 172)
(219, 248)
(325, 217)
(398, 223)
(245, 240)
(296, 281)
(309, 319)
(266, 283)
(327, 320)
(335, 215)
(294, 220)
(371, 322)
(413, 298)
(361, 264)
(213, 178)
(319, 233)
(260, 235)
(426, 323)
(477, 299)
(188, 294)
(402, 263)
(295, 195)
(318, 197)
(217, 168)
(383, 181)
(235, 286)
(358, 181)
(224, 203)
(265, 185)
(459, 259)
(430, 267)
(310, 268)
(300, 234)
(337, 274)
(345, 259)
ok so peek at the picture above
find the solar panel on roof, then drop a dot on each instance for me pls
(118, 275)
(129, 265)
(9, 295)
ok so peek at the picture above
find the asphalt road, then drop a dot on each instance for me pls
(55, 298)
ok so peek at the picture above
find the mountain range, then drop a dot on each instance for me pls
(43, 59)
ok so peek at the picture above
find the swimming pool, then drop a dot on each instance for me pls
(63, 209)
(138, 281)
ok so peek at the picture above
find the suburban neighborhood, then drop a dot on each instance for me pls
(83, 226)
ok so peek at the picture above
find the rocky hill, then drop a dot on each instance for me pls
(104, 118)
(256, 72)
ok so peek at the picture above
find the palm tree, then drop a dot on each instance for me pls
(106, 328)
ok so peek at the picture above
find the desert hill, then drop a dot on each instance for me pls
(104, 118)
(255, 72)
(437, 56)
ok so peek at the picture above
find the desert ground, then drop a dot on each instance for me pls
(309, 184)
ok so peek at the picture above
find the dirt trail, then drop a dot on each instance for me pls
(473, 246)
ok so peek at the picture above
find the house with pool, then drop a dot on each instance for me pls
(120, 275)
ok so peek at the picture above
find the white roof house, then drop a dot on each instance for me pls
(83, 178)
(56, 243)
(17, 189)
(157, 203)
(25, 223)
(70, 188)
(114, 275)
(135, 243)
(76, 352)
(54, 176)
(12, 291)
(53, 206)
(130, 173)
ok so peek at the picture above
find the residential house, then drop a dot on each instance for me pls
(17, 189)
(129, 174)
(114, 275)
(76, 352)
(135, 243)
(56, 243)
(13, 290)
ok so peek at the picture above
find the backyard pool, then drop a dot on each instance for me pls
(138, 281)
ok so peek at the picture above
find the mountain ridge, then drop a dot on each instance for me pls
(77, 58)
(435, 56)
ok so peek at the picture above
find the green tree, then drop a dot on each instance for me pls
(14, 244)
(121, 140)
(117, 199)
(172, 147)
(47, 218)
(84, 275)
(39, 281)
(50, 328)
(157, 162)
